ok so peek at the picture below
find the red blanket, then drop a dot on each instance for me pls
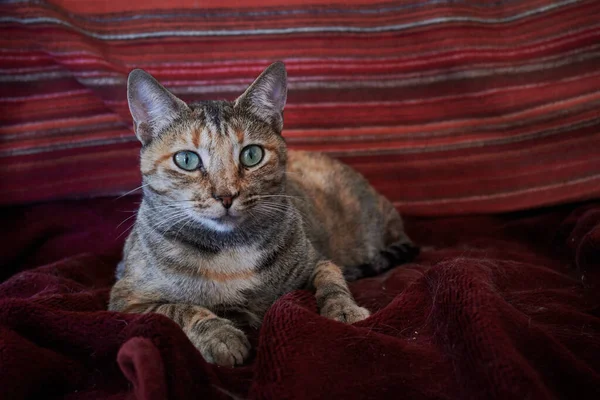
(496, 307)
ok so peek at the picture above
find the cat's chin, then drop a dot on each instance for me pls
(226, 223)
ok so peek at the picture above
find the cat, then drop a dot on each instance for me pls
(230, 220)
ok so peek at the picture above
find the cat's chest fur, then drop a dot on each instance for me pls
(209, 279)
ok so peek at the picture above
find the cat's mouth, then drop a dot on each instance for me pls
(226, 218)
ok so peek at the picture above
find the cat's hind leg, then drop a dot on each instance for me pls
(399, 252)
(398, 248)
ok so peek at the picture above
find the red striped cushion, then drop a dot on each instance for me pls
(446, 107)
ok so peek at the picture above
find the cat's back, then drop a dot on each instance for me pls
(328, 181)
(346, 218)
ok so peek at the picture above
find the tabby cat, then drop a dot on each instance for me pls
(230, 220)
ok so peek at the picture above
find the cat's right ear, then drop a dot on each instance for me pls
(152, 106)
(266, 96)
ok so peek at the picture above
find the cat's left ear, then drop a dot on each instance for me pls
(152, 106)
(267, 95)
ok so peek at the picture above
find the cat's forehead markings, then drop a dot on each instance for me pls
(196, 133)
(240, 134)
(212, 113)
(217, 115)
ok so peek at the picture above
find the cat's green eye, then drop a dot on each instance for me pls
(251, 155)
(187, 160)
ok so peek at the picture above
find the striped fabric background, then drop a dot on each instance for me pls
(446, 106)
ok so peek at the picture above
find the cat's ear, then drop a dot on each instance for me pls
(267, 95)
(152, 107)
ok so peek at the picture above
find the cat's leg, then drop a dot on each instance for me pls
(333, 296)
(218, 340)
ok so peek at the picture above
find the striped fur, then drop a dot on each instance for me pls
(211, 265)
(482, 106)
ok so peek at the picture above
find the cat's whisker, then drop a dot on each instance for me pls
(168, 206)
(267, 214)
(280, 206)
(275, 210)
(177, 206)
(176, 216)
(176, 222)
(251, 214)
(273, 205)
(271, 211)
(171, 210)
(182, 226)
(155, 229)
(125, 220)
(132, 216)
(170, 218)
(182, 201)
(279, 196)
(265, 196)
(131, 191)
(125, 231)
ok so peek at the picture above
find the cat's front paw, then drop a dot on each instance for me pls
(220, 342)
(345, 311)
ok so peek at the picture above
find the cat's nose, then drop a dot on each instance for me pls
(226, 199)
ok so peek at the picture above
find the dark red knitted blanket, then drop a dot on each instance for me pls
(495, 307)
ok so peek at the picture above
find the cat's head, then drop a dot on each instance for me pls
(217, 163)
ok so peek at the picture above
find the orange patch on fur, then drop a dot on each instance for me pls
(224, 277)
(136, 308)
(156, 163)
(269, 147)
(240, 136)
(196, 139)
(162, 158)
(201, 315)
(327, 272)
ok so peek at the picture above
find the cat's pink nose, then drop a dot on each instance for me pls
(226, 200)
